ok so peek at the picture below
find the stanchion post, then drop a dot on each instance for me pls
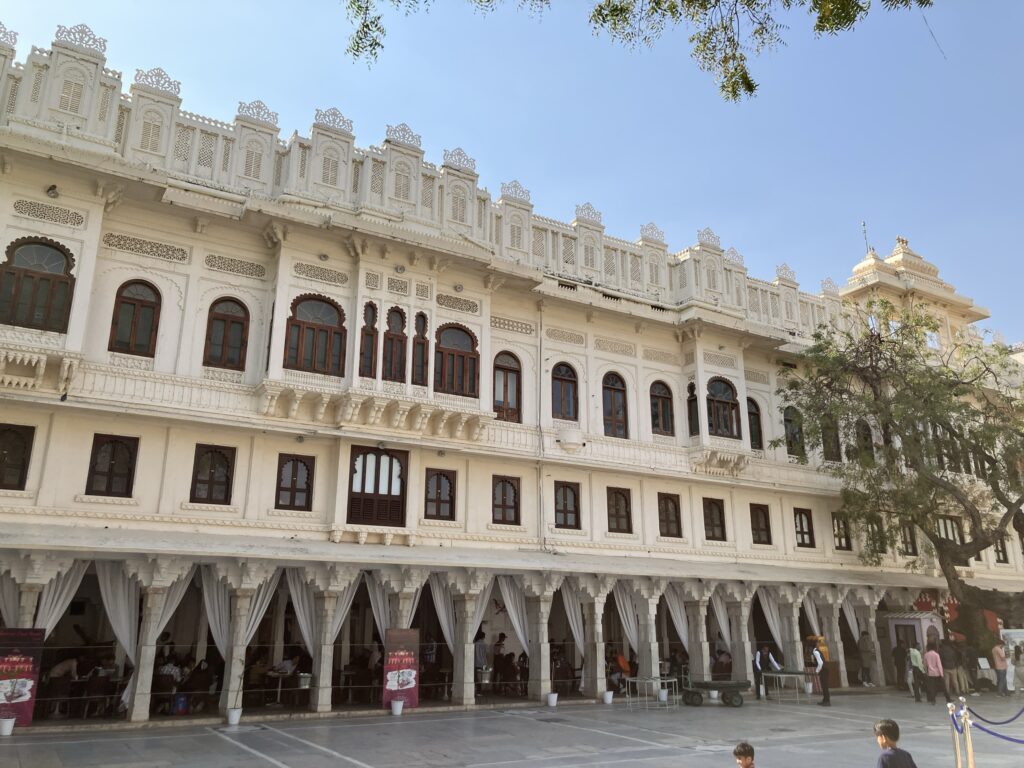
(951, 708)
(966, 723)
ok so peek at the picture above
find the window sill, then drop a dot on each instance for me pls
(678, 541)
(124, 501)
(222, 374)
(720, 544)
(617, 535)
(136, 362)
(509, 527)
(755, 545)
(13, 494)
(194, 506)
(436, 523)
(303, 513)
(557, 531)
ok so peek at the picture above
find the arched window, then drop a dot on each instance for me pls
(315, 337)
(294, 482)
(792, 422)
(253, 166)
(567, 505)
(616, 416)
(394, 346)
(754, 419)
(420, 351)
(866, 444)
(71, 92)
(662, 421)
(505, 500)
(136, 319)
(15, 451)
(329, 170)
(830, 440)
(620, 515)
(456, 362)
(112, 466)
(368, 342)
(723, 409)
(211, 475)
(564, 393)
(803, 523)
(152, 127)
(507, 387)
(36, 285)
(403, 181)
(377, 488)
(227, 335)
(692, 416)
(460, 205)
(515, 233)
(440, 495)
(669, 519)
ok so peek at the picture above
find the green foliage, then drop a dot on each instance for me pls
(927, 435)
(722, 32)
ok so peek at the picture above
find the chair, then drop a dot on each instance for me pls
(98, 691)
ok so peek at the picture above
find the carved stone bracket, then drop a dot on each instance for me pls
(719, 461)
(868, 597)
(35, 567)
(541, 584)
(792, 594)
(403, 579)
(155, 571)
(737, 591)
(469, 582)
(694, 589)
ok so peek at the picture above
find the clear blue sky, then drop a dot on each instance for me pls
(875, 125)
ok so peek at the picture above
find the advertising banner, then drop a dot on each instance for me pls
(21, 651)
(402, 667)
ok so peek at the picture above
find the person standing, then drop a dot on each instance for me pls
(819, 668)
(867, 654)
(948, 654)
(1018, 669)
(479, 655)
(899, 660)
(887, 733)
(762, 659)
(933, 672)
(917, 674)
(999, 664)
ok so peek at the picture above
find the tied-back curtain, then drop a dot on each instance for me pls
(770, 607)
(574, 613)
(627, 614)
(721, 618)
(515, 606)
(811, 611)
(120, 595)
(677, 610)
(343, 606)
(57, 596)
(259, 604)
(379, 604)
(481, 606)
(9, 596)
(217, 601)
(301, 592)
(445, 608)
(851, 616)
(406, 622)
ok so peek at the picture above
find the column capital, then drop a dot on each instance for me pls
(402, 579)
(244, 574)
(696, 589)
(738, 591)
(829, 594)
(470, 582)
(868, 597)
(36, 568)
(595, 586)
(541, 585)
(157, 571)
(651, 588)
(791, 593)
(330, 577)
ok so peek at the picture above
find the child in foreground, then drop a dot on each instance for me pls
(887, 733)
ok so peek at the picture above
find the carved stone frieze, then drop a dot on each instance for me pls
(320, 274)
(235, 266)
(614, 346)
(458, 159)
(587, 212)
(569, 337)
(651, 231)
(46, 212)
(458, 303)
(151, 248)
(707, 236)
(515, 326)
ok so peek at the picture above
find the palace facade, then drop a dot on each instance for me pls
(271, 385)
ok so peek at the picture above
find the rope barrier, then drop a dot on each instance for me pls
(996, 722)
(959, 728)
(998, 735)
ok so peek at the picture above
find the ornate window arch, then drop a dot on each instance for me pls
(613, 400)
(227, 334)
(564, 393)
(394, 346)
(756, 427)
(662, 417)
(36, 285)
(723, 409)
(377, 486)
(692, 413)
(620, 513)
(508, 387)
(136, 319)
(793, 424)
(456, 362)
(420, 350)
(212, 474)
(15, 452)
(368, 342)
(315, 336)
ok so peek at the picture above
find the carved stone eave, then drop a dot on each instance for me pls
(413, 415)
(722, 462)
(25, 367)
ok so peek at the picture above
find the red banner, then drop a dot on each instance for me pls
(21, 651)
(402, 667)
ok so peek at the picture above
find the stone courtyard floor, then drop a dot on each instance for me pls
(785, 736)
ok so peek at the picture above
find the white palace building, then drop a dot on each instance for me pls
(258, 391)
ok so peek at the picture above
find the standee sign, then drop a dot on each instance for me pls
(21, 651)
(402, 667)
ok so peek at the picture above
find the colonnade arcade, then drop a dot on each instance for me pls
(37, 589)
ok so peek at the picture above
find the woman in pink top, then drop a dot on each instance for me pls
(999, 664)
(933, 669)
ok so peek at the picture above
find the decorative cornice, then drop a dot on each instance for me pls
(650, 231)
(403, 134)
(785, 272)
(81, 36)
(707, 236)
(734, 256)
(8, 36)
(458, 159)
(158, 80)
(332, 119)
(257, 110)
(587, 212)
(513, 190)
(828, 286)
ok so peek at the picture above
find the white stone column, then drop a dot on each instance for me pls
(234, 666)
(538, 611)
(463, 682)
(648, 593)
(320, 699)
(277, 624)
(696, 597)
(594, 678)
(742, 654)
(154, 598)
(828, 615)
(867, 617)
(28, 601)
(792, 645)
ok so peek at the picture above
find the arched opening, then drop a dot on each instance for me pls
(36, 285)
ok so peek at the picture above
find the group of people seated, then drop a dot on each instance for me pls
(182, 686)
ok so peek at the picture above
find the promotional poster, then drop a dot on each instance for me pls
(20, 654)
(402, 667)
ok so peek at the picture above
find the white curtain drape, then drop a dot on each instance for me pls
(677, 610)
(379, 604)
(175, 594)
(722, 619)
(217, 601)
(627, 614)
(851, 616)
(574, 613)
(811, 611)
(445, 608)
(260, 603)
(515, 605)
(770, 607)
(412, 612)
(120, 595)
(481, 605)
(301, 592)
(343, 606)
(9, 597)
(58, 594)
